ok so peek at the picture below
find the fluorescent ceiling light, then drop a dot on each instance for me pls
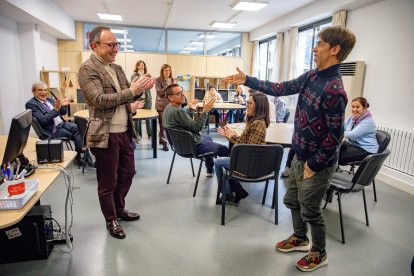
(128, 46)
(119, 31)
(122, 40)
(207, 36)
(223, 25)
(187, 48)
(250, 6)
(107, 16)
(196, 43)
(184, 52)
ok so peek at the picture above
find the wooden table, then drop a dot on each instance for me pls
(46, 178)
(220, 106)
(141, 114)
(276, 133)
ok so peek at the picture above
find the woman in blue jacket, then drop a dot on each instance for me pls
(360, 134)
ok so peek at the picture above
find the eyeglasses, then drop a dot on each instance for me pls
(249, 104)
(179, 93)
(111, 45)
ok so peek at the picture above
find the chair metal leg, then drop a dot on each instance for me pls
(375, 190)
(265, 192)
(198, 177)
(223, 199)
(365, 207)
(172, 163)
(340, 217)
(85, 155)
(275, 200)
(329, 195)
(192, 167)
(218, 193)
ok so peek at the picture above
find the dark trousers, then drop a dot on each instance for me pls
(216, 114)
(207, 145)
(70, 131)
(162, 135)
(303, 197)
(349, 154)
(115, 169)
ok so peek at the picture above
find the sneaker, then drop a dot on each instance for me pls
(210, 174)
(312, 261)
(285, 173)
(293, 244)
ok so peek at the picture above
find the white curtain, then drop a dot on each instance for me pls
(255, 67)
(292, 45)
(291, 101)
(339, 18)
(279, 57)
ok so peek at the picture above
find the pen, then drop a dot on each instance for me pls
(18, 166)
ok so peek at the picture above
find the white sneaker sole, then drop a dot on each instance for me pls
(304, 248)
(324, 263)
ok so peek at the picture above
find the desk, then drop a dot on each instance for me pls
(276, 133)
(220, 106)
(141, 114)
(46, 178)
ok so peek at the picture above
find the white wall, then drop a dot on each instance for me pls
(385, 39)
(11, 97)
(25, 50)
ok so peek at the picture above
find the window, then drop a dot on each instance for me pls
(267, 58)
(307, 39)
(139, 39)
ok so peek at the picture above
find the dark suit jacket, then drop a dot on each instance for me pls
(102, 98)
(43, 115)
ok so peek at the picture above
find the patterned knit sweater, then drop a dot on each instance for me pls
(319, 116)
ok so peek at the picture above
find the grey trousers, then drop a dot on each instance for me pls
(304, 198)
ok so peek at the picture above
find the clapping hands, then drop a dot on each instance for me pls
(140, 84)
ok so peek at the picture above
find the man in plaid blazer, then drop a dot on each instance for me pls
(110, 130)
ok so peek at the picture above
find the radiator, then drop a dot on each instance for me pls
(402, 150)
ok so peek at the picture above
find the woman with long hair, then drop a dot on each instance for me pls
(139, 71)
(161, 103)
(257, 115)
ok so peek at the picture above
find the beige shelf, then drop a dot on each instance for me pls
(64, 83)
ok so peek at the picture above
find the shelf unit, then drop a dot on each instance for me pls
(65, 83)
(200, 84)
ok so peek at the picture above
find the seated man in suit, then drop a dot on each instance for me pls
(48, 113)
(175, 117)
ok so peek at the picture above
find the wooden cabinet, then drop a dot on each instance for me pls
(62, 83)
(200, 84)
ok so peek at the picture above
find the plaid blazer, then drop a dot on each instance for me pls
(102, 99)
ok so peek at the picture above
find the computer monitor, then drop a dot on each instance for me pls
(17, 139)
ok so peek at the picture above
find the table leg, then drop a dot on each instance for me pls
(154, 138)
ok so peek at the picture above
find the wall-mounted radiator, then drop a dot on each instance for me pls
(402, 150)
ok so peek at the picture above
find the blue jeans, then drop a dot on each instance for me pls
(207, 145)
(231, 185)
(303, 197)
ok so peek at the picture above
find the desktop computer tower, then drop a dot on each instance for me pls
(28, 239)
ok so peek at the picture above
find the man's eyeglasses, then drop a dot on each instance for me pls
(179, 93)
(111, 45)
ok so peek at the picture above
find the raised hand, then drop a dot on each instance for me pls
(193, 104)
(208, 105)
(137, 105)
(64, 101)
(58, 105)
(221, 131)
(139, 84)
(239, 78)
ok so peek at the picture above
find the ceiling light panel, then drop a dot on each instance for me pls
(249, 5)
(223, 25)
(107, 16)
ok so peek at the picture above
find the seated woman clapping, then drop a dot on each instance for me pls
(254, 133)
(360, 134)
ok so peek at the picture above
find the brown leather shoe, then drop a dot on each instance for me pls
(128, 216)
(115, 229)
